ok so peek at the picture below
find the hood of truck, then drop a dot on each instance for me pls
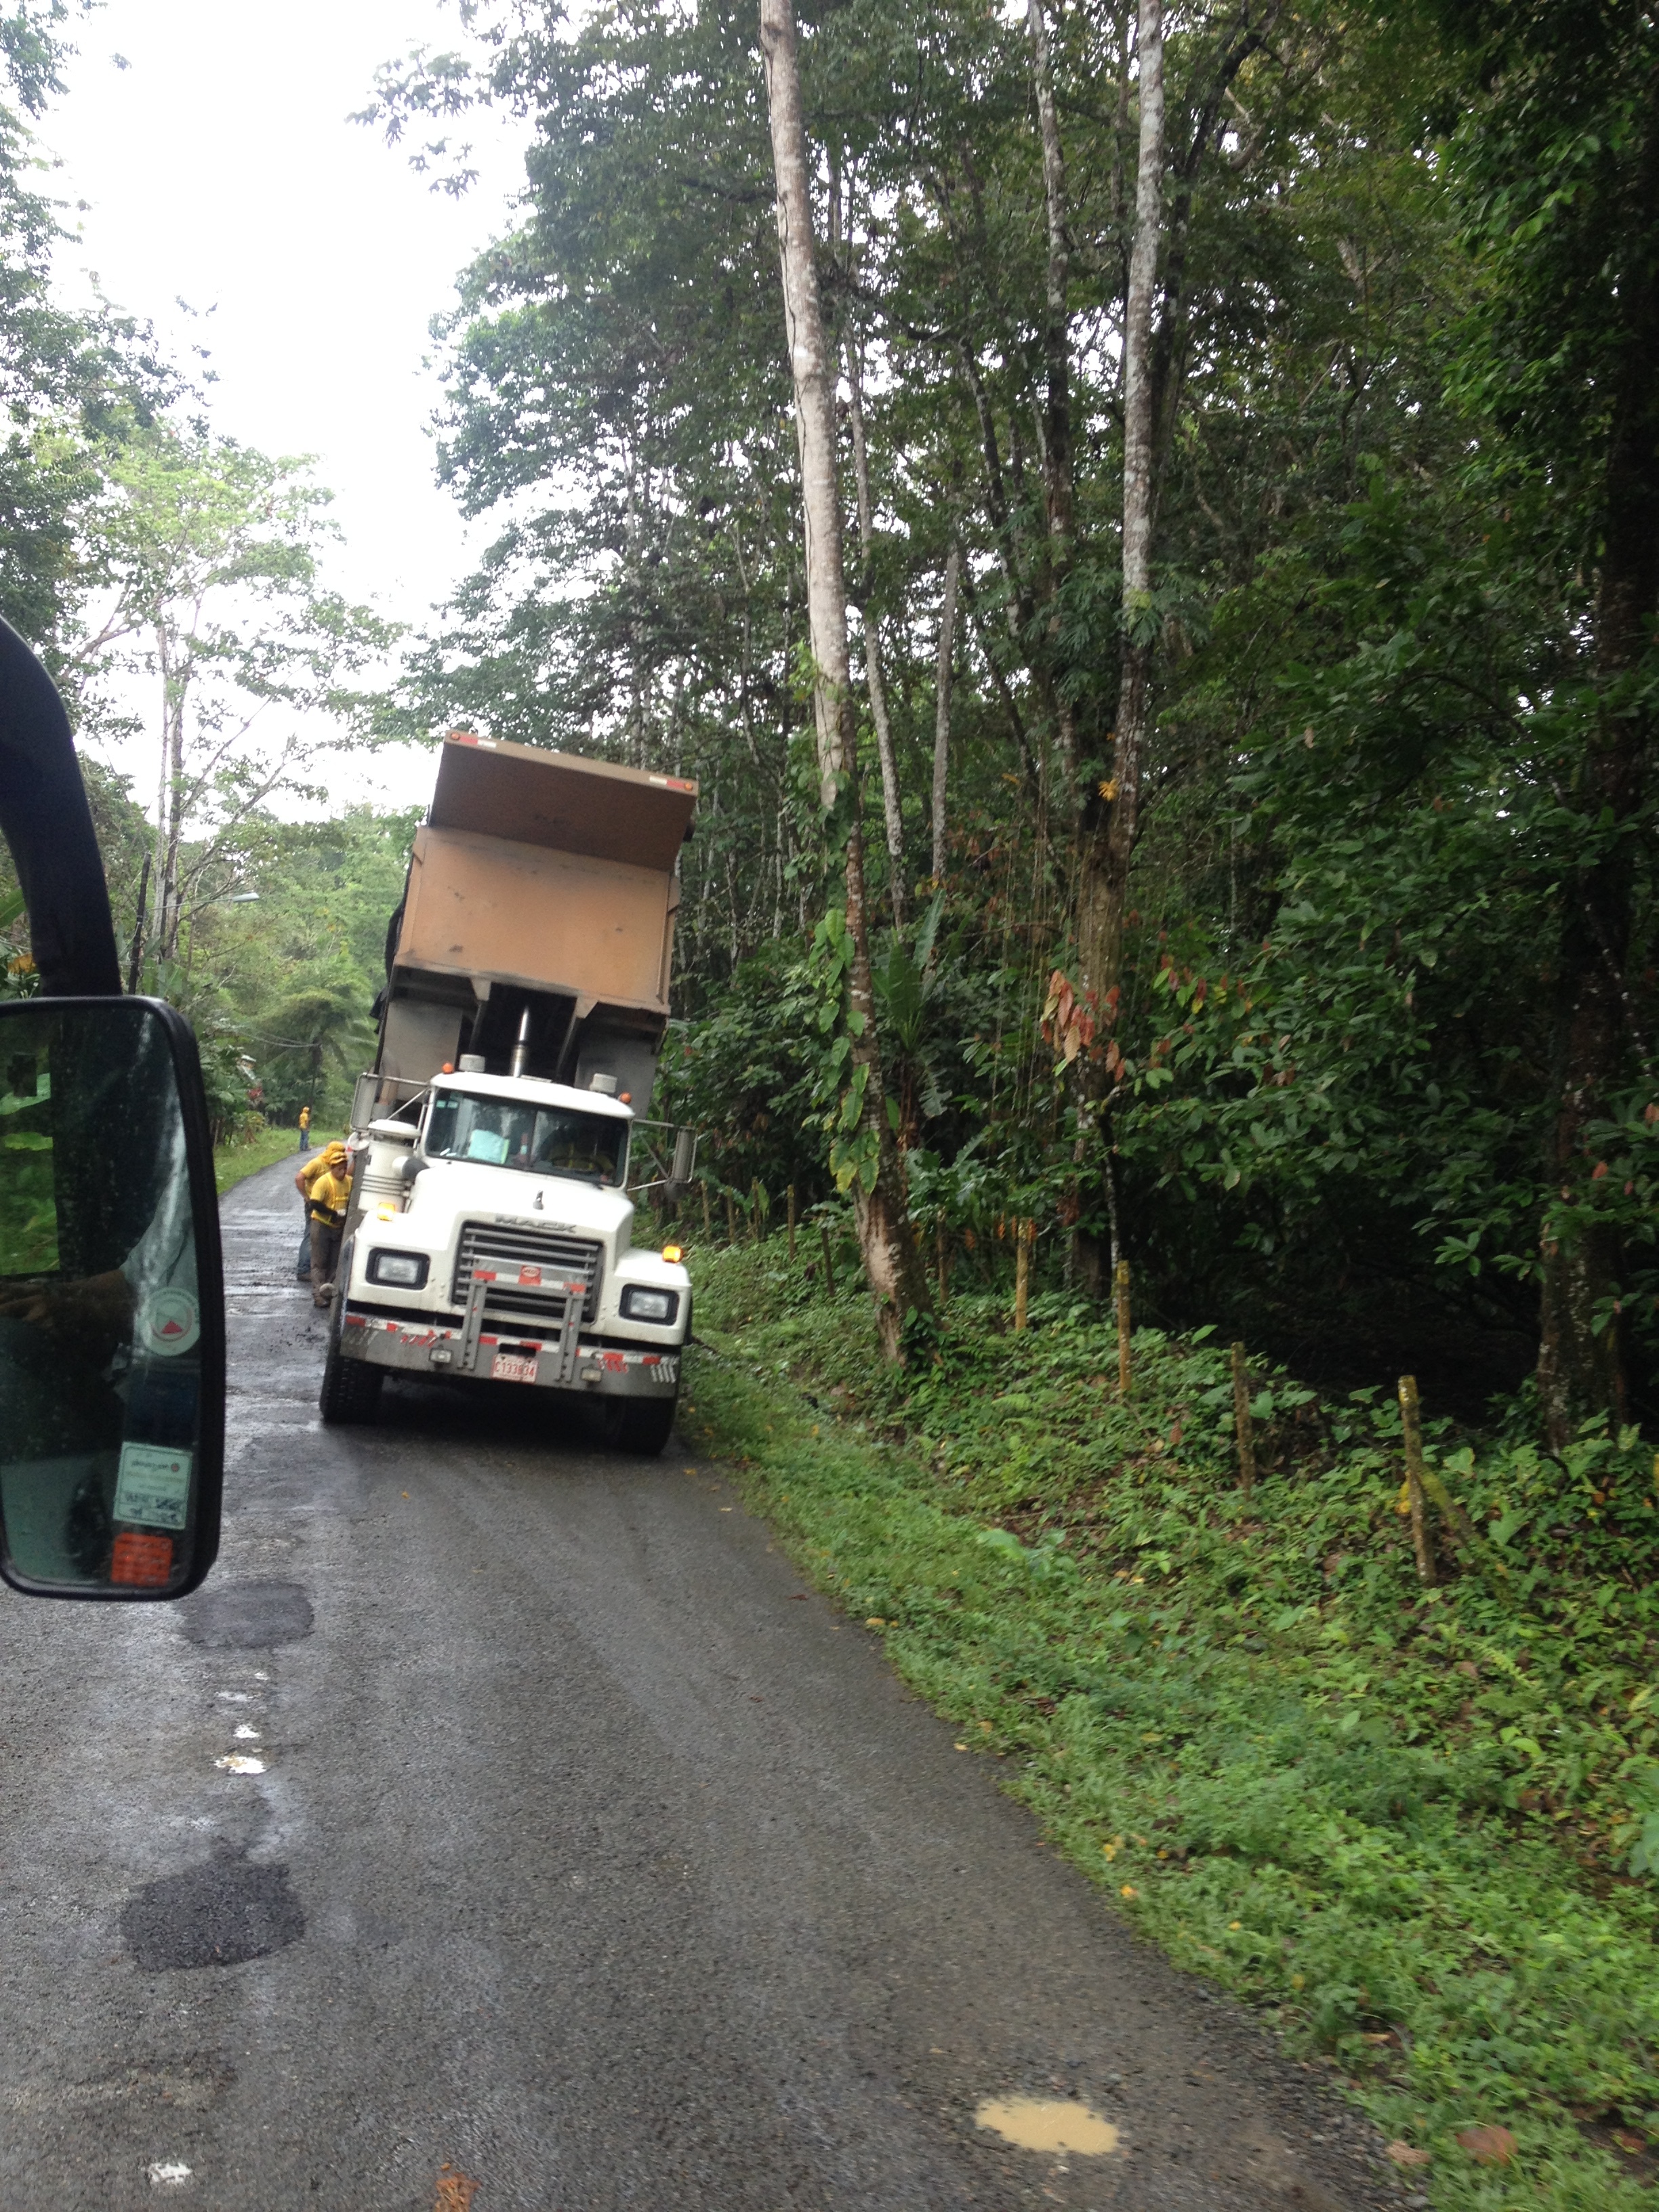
(450, 1188)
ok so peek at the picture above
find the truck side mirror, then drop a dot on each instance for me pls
(112, 1302)
(685, 1158)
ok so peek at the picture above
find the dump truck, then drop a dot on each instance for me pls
(499, 1141)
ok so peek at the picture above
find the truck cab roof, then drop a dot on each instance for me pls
(533, 1090)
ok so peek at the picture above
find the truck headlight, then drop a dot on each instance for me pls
(639, 1303)
(400, 1271)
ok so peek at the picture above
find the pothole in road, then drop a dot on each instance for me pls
(1049, 2124)
(218, 1914)
(246, 1616)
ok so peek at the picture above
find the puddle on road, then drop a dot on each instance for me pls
(1051, 2123)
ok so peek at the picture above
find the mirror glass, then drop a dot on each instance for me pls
(111, 1366)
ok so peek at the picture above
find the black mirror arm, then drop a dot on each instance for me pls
(45, 820)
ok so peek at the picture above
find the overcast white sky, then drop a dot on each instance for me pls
(219, 168)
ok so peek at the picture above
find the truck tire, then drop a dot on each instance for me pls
(640, 1425)
(350, 1394)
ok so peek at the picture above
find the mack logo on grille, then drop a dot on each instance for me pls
(530, 1271)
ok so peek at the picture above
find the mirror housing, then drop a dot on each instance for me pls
(112, 1302)
(685, 1160)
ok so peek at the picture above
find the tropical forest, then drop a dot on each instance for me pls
(1140, 518)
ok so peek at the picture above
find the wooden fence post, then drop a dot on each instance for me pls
(756, 1199)
(1121, 1282)
(828, 1257)
(942, 1262)
(731, 1219)
(707, 1218)
(791, 1223)
(1242, 1422)
(1022, 1270)
(1411, 1422)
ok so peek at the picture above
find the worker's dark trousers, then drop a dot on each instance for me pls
(325, 1251)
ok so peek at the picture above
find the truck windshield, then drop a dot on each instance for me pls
(506, 1132)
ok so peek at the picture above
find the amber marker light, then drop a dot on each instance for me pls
(673, 1252)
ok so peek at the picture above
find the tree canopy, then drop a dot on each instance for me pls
(1356, 1037)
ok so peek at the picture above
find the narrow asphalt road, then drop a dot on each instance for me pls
(588, 1860)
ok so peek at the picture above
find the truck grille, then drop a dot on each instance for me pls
(514, 1256)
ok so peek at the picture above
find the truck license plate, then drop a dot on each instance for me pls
(512, 1367)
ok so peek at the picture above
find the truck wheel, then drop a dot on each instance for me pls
(640, 1425)
(351, 1389)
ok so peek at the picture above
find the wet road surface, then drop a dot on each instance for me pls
(569, 1851)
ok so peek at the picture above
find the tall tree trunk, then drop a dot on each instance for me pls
(947, 638)
(890, 1260)
(1580, 1371)
(170, 805)
(891, 801)
(1108, 817)
(141, 914)
(1059, 498)
(1139, 496)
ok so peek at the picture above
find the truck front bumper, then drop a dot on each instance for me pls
(414, 1348)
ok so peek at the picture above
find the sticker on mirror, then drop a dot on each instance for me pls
(170, 1323)
(153, 1486)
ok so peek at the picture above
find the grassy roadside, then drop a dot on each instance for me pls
(233, 1163)
(1401, 1820)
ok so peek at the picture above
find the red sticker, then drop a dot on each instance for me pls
(530, 1274)
(146, 1561)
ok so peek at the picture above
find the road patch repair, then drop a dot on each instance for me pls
(246, 1616)
(218, 1914)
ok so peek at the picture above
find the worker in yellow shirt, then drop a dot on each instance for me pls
(305, 1128)
(302, 1184)
(324, 1183)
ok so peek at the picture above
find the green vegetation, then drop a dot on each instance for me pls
(1295, 921)
(1420, 1826)
(1259, 850)
(234, 1162)
(147, 557)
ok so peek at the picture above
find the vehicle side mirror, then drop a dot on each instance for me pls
(112, 1302)
(685, 1159)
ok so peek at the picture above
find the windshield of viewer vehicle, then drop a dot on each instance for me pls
(505, 1133)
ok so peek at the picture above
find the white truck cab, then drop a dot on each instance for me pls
(492, 1239)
